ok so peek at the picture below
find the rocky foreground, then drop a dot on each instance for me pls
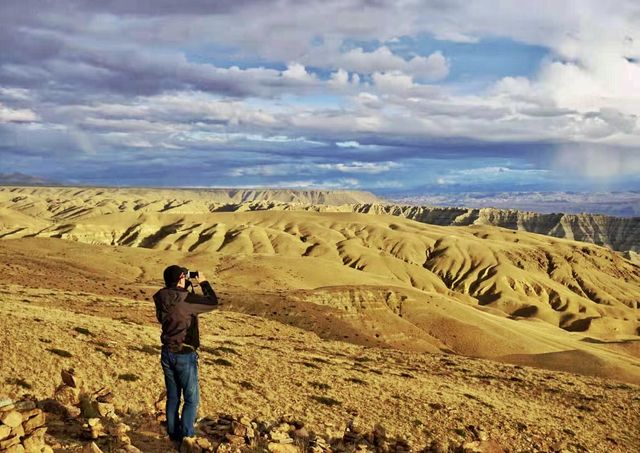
(79, 419)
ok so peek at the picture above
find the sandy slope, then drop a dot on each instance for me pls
(391, 290)
(254, 366)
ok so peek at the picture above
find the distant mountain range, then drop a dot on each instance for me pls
(620, 204)
(58, 205)
(20, 179)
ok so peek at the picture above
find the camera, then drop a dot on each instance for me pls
(192, 274)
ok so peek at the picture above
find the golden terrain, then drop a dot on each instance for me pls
(384, 317)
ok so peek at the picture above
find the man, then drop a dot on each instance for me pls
(177, 309)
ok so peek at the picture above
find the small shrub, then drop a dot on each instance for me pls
(407, 375)
(310, 365)
(60, 352)
(355, 380)
(319, 385)
(227, 350)
(19, 382)
(246, 385)
(45, 340)
(327, 401)
(83, 331)
(147, 349)
(320, 360)
(223, 362)
(129, 377)
(105, 352)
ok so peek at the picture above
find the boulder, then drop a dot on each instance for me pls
(11, 418)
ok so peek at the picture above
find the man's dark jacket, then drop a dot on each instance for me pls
(177, 310)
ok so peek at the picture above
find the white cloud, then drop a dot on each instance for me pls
(10, 115)
(432, 67)
(360, 167)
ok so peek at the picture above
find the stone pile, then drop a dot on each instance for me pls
(230, 434)
(90, 416)
(22, 427)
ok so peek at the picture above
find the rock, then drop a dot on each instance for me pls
(238, 429)
(5, 431)
(11, 418)
(300, 433)
(69, 378)
(91, 448)
(66, 395)
(488, 446)
(24, 405)
(34, 422)
(104, 409)
(119, 429)
(103, 395)
(204, 443)
(438, 446)
(277, 447)
(17, 431)
(35, 441)
(234, 440)
(190, 445)
(27, 414)
(5, 402)
(280, 436)
(9, 441)
(17, 448)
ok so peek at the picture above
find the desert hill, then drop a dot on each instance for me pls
(386, 281)
(70, 304)
(60, 204)
(326, 314)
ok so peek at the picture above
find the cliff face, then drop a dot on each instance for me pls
(617, 233)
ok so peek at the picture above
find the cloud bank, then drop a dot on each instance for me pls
(368, 94)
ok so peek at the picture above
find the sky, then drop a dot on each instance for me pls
(391, 96)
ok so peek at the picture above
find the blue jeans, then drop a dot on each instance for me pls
(181, 380)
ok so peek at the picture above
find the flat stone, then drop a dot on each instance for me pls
(34, 442)
(91, 448)
(234, 440)
(17, 448)
(4, 402)
(26, 415)
(9, 441)
(5, 431)
(11, 418)
(104, 409)
(17, 431)
(93, 421)
(34, 422)
(277, 447)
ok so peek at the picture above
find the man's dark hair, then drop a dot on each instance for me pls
(172, 275)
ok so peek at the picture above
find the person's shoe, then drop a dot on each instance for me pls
(189, 445)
